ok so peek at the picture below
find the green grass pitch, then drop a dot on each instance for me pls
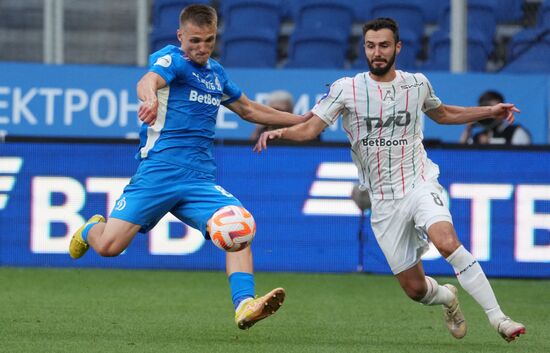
(84, 310)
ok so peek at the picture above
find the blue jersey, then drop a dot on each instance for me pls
(183, 133)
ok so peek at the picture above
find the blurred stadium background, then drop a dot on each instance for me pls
(502, 36)
(68, 129)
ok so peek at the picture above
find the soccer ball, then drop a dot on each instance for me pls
(231, 228)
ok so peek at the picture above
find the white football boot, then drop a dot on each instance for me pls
(510, 329)
(456, 324)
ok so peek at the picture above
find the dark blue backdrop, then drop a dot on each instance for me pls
(275, 187)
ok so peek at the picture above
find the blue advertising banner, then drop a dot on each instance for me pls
(101, 101)
(69, 100)
(299, 196)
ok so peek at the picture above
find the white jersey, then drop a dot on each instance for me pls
(383, 124)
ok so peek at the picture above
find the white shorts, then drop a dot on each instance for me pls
(400, 226)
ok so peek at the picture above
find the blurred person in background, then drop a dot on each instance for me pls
(491, 131)
(381, 111)
(281, 100)
(181, 96)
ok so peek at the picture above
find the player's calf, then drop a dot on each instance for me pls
(79, 244)
(108, 249)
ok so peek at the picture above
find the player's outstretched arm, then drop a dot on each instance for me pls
(147, 92)
(262, 114)
(451, 114)
(302, 132)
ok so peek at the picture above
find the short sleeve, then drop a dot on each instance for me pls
(163, 65)
(231, 92)
(431, 101)
(331, 104)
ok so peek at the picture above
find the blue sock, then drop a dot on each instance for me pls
(242, 286)
(86, 230)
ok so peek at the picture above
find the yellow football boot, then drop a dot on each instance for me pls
(251, 310)
(78, 247)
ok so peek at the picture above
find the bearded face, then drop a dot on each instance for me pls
(380, 66)
(381, 51)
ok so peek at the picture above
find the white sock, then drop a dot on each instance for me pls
(473, 280)
(436, 294)
(244, 301)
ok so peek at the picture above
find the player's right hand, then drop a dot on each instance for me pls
(504, 111)
(147, 111)
(261, 144)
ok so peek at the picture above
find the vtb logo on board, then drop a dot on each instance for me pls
(9, 168)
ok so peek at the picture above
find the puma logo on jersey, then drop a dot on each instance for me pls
(208, 84)
(418, 84)
(402, 118)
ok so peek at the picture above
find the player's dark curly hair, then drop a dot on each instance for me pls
(200, 15)
(380, 23)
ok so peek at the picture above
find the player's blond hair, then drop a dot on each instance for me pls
(199, 15)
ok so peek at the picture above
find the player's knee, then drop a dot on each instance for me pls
(415, 290)
(108, 250)
(231, 228)
(448, 245)
(443, 236)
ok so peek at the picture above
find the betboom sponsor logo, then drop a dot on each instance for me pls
(44, 213)
(330, 195)
(207, 98)
(382, 142)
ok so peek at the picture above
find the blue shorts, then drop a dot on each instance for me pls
(159, 187)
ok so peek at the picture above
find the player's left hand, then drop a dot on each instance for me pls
(307, 116)
(147, 111)
(504, 111)
(261, 144)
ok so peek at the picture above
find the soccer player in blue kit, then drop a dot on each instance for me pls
(181, 96)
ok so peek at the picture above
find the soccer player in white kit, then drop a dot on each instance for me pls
(381, 111)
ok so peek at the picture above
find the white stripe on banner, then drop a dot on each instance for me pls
(334, 170)
(331, 188)
(6, 183)
(10, 164)
(331, 207)
(3, 201)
